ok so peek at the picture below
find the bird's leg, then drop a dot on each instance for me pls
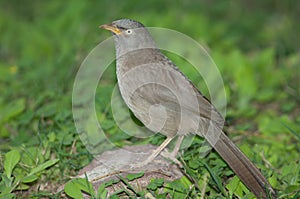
(158, 150)
(154, 153)
(166, 154)
(177, 146)
(172, 155)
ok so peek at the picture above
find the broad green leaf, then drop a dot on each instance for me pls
(43, 166)
(273, 180)
(194, 164)
(29, 178)
(291, 188)
(30, 155)
(111, 182)
(22, 187)
(74, 188)
(177, 189)
(6, 185)
(186, 182)
(10, 161)
(7, 196)
(176, 185)
(102, 192)
(234, 188)
(133, 176)
(155, 183)
(12, 109)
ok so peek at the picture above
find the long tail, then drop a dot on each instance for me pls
(240, 164)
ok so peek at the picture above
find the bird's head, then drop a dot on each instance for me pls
(129, 35)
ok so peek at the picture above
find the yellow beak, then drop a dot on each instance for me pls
(111, 28)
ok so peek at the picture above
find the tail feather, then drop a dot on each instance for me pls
(240, 164)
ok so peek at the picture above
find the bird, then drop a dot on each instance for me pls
(166, 101)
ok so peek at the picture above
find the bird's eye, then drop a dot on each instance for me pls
(128, 31)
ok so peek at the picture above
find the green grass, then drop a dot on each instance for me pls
(254, 44)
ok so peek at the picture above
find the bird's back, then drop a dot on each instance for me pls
(160, 95)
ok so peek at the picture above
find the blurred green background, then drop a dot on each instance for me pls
(255, 44)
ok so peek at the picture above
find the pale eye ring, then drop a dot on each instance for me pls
(129, 31)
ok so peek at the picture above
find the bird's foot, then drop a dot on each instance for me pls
(165, 153)
(171, 156)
